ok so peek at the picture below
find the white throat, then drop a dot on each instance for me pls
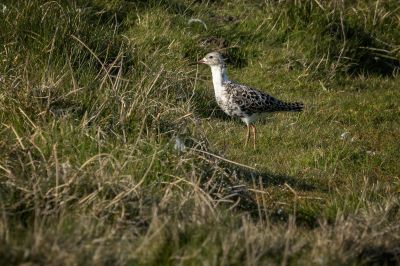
(218, 77)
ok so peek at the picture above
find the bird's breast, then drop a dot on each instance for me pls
(226, 103)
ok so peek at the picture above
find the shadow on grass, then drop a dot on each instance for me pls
(207, 107)
(280, 184)
(241, 189)
(379, 255)
(269, 179)
(363, 54)
(258, 193)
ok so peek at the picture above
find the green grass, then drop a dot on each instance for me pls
(94, 94)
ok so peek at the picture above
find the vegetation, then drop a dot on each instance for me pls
(113, 150)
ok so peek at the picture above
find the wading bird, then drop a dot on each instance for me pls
(240, 100)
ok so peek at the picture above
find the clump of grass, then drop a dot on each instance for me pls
(94, 94)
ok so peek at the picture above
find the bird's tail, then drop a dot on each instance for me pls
(292, 107)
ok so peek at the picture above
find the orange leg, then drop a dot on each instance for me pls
(254, 135)
(247, 135)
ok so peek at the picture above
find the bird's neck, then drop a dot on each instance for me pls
(219, 76)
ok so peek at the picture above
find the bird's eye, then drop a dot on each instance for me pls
(211, 57)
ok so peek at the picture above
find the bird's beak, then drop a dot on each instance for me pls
(197, 62)
(201, 61)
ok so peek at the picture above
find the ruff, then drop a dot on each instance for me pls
(242, 101)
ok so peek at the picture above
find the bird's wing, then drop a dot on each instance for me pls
(252, 100)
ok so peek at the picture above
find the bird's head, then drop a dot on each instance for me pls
(212, 59)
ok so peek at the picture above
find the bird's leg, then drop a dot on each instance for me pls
(247, 135)
(254, 135)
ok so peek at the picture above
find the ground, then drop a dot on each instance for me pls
(113, 150)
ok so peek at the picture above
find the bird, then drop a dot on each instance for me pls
(238, 100)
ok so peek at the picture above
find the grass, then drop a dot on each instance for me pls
(94, 95)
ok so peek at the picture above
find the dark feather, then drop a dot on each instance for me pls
(251, 100)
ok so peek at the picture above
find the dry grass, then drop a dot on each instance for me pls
(94, 95)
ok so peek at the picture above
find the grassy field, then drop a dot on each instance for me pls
(96, 94)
